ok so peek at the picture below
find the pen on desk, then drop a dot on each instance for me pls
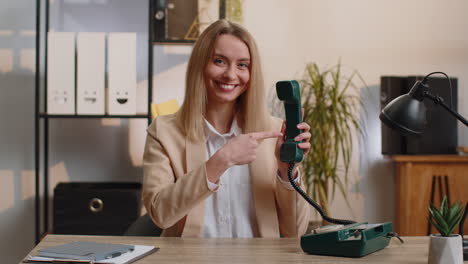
(70, 262)
(114, 255)
(118, 254)
(77, 261)
(86, 261)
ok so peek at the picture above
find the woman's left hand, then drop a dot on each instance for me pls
(304, 145)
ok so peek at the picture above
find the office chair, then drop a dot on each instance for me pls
(143, 226)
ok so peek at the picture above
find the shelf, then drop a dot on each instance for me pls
(430, 158)
(41, 134)
(44, 115)
(174, 42)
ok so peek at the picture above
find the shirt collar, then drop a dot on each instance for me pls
(211, 132)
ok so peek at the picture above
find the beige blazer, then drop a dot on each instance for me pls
(175, 185)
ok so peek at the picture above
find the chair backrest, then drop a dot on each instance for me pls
(143, 226)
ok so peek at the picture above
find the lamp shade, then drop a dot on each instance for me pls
(405, 114)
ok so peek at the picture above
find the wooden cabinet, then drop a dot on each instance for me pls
(414, 185)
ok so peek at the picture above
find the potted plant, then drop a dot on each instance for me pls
(445, 247)
(331, 102)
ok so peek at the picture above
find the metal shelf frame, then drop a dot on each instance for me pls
(41, 133)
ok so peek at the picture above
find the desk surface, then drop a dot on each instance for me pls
(256, 250)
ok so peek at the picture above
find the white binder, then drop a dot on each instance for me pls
(121, 96)
(61, 73)
(91, 73)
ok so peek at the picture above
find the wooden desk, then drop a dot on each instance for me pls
(413, 184)
(256, 250)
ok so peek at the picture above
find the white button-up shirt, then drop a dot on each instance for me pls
(230, 211)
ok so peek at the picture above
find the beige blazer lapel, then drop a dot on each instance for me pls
(262, 171)
(195, 155)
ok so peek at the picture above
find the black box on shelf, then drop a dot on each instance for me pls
(440, 135)
(101, 208)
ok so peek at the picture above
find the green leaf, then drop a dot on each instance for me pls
(443, 206)
(441, 230)
(455, 210)
(454, 222)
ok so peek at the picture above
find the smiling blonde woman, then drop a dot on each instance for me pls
(212, 169)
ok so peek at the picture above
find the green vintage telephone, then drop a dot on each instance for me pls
(351, 239)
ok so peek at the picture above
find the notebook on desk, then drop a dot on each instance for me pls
(138, 252)
(83, 250)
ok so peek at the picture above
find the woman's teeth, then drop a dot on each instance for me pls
(227, 86)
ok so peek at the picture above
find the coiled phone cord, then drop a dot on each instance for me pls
(312, 202)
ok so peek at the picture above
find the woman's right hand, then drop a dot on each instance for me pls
(239, 150)
(242, 149)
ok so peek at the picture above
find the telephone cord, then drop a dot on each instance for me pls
(313, 203)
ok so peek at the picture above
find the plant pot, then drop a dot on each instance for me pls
(445, 249)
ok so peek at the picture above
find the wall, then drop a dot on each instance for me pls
(375, 37)
(17, 124)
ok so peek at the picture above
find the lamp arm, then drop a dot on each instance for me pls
(449, 83)
(438, 100)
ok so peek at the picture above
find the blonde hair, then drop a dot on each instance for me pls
(252, 113)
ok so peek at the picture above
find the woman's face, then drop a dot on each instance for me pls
(227, 72)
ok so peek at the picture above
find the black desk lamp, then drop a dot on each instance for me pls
(407, 115)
